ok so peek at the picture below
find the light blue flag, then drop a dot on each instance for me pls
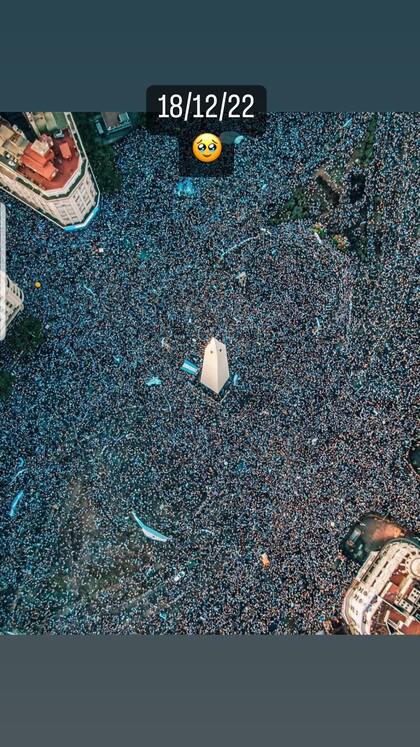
(189, 368)
(21, 471)
(148, 532)
(15, 502)
(154, 381)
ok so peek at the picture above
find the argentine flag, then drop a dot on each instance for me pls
(16, 501)
(148, 532)
(189, 368)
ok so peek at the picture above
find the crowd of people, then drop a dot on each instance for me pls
(312, 431)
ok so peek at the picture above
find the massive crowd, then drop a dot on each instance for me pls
(315, 426)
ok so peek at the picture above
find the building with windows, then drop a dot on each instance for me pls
(11, 302)
(50, 171)
(11, 296)
(384, 598)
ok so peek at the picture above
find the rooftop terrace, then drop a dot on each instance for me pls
(400, 608)
(54, 169)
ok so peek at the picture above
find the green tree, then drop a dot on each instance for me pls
(365, 151)
(101, 155)
(6, 384)
(27, 334)
(139, 119)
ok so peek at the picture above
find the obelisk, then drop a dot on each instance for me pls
(215, 370)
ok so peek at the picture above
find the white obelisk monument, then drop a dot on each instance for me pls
(215, 371)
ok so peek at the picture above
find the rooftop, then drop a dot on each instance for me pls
(399, 611)
(48, 162)
(54, 167)
(113, 120)
(384, 599)
(12, 141)
(369, 535)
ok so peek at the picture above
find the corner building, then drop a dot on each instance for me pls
(384, 598)
(49, 172)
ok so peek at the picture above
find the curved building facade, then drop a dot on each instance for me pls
(384, 598)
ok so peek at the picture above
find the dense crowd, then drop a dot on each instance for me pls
(315, 425)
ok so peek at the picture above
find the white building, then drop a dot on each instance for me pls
(215, 371)
(384, 598)
(50, 173)
(11, 302)
(11, 296)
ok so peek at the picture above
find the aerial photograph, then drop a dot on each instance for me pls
(209, 382)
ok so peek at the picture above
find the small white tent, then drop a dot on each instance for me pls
(215, 371)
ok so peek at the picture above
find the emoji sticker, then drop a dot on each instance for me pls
(207, 147)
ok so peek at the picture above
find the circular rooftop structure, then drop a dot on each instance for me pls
(415, 567)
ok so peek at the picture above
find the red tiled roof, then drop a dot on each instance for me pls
(65, 150)
(56, 167)
(40, 164)
(31, 152)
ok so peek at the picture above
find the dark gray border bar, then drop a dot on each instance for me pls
(350, 69)
(157, 686)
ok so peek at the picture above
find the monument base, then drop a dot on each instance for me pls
(209, 395)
